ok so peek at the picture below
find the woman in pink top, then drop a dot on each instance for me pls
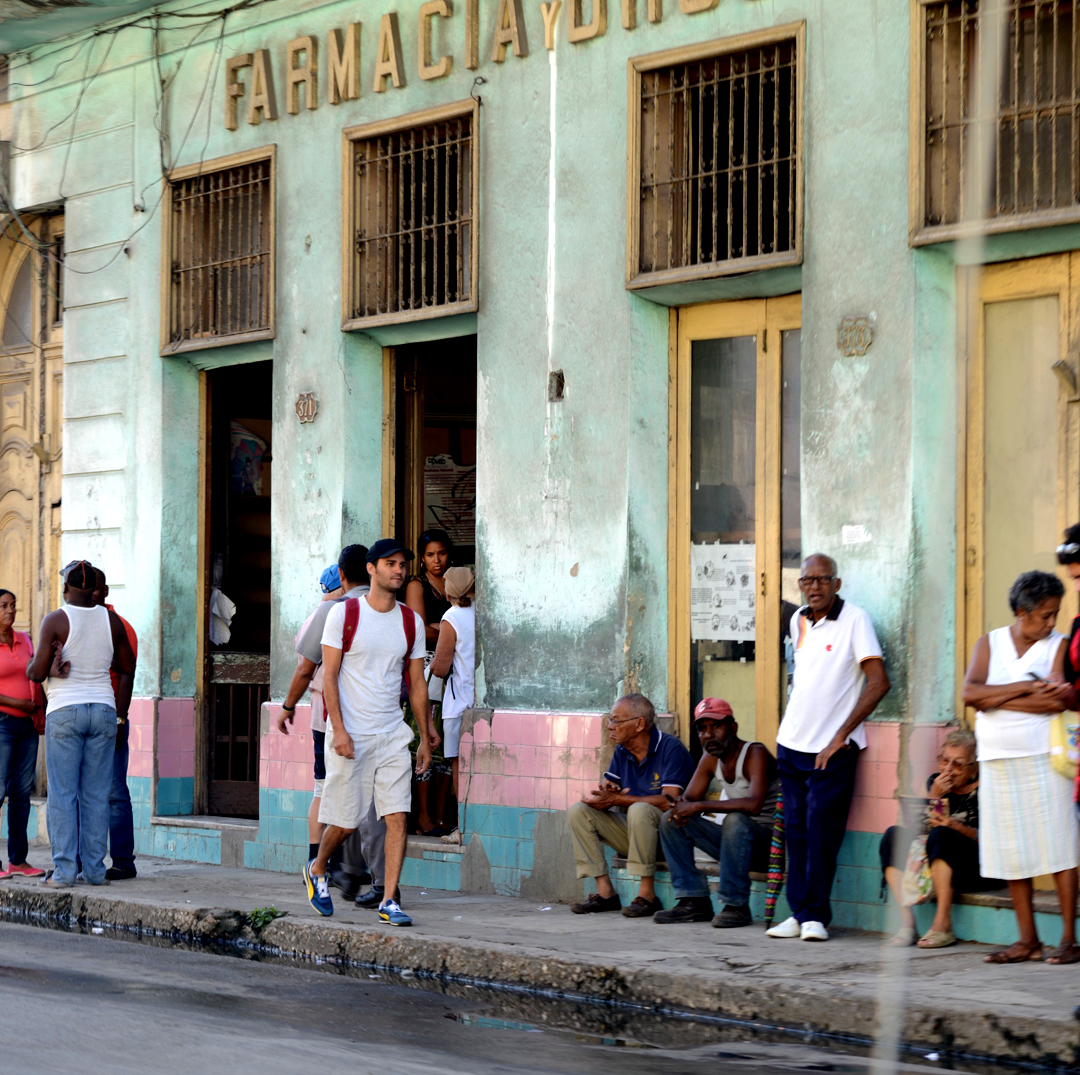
(18, 736)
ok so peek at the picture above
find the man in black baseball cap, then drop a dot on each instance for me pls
(386, 547)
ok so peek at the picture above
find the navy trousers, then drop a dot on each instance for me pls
(816, 804)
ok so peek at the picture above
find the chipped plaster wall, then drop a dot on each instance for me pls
(572, 495)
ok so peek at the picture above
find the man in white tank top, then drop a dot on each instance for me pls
(78, 646)
(726, 811)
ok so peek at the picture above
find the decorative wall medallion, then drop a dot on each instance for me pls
(307, 406)
(854, 336)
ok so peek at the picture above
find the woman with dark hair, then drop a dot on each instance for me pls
(426, 592)
(1068, 555)
(426, 596)
(19, 698)
(1016, 682)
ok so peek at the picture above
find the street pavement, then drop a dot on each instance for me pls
(80, 1002)
(853, 985)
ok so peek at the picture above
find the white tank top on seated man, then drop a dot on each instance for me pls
(1008, 733)
(89, 650)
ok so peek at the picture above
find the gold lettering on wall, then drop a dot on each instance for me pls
(586, 31)
(262, 101)
(343, 78)
(472, 34)
(428, 68)
(234, 88)
(692, 7)
(629, 12)
(388, 55)
(509, 31)
(305, 74)
(551, 19)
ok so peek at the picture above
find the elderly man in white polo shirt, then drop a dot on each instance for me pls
(839, 680)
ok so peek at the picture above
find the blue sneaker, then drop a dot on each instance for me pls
(318, 891)
(392, 914)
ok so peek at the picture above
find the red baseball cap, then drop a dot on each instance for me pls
(713, 709)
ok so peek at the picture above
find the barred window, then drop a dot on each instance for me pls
(1033, 152)
(715, 183)
(220, 249)
(411, 190)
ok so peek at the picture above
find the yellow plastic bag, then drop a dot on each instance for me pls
(1065, 743)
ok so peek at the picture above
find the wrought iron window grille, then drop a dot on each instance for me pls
(715, 165)
(411, 191)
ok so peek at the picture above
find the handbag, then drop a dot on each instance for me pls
(917, 885)
(36, 694)
(1065, 744)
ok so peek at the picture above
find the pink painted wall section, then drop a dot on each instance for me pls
(287, 761)
(176, 737)
(532, 759)
(878, 780)
(141, 737)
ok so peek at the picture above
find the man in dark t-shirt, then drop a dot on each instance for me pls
(647, 772)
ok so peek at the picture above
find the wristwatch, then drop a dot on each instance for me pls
(288, 708)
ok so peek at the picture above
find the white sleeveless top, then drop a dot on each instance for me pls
(1007, 733)
(459, 693)
(89, 648)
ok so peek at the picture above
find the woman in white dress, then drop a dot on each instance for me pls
(1028, 826)
(455, 658)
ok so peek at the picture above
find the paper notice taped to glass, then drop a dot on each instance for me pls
(723, 593)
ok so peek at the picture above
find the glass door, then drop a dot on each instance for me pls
(736, 514)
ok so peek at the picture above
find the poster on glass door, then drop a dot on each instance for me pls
(722, 593)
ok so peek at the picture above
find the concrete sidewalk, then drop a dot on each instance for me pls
(941, 1000)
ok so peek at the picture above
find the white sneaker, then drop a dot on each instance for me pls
(787, 930)
(814, 931)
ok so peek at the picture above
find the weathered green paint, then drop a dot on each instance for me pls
(573, 495)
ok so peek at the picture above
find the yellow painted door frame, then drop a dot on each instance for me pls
(1057, 275)
(766, 320)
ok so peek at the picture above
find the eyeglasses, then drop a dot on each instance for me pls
(1069, 549)
(808, 582)
(612, 721)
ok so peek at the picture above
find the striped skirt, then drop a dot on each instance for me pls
(1027, 825)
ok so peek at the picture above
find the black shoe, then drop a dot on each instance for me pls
(733, 917)
(596, 903)
(348, 883)
(371, 899)
(688, 909)
(640, 907)
(114, 873)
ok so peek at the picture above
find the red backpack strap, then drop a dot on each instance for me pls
(352, 618)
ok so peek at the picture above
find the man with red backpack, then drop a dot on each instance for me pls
(369, 644)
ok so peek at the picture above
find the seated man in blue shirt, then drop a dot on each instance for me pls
(648, 771)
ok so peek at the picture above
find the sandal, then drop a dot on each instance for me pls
(1017, 953)
(1065, 953)
(937, 938)
(905, 937)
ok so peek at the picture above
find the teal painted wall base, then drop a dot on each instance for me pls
(175, 796)
(33, 828)
(282, 843)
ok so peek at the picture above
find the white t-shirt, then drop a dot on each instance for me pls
(369, 683)
(828, 676)
(460, 691)
(1008, 733)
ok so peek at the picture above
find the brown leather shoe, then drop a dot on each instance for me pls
(640, 907)
(596, 903)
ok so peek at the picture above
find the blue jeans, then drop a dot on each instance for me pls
(816, 805)
(18, 760)
(738, 845)
(121, 823)
(80, 744)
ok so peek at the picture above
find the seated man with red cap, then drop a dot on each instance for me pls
(727, 811)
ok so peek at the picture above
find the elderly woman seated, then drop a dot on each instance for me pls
(952, 843)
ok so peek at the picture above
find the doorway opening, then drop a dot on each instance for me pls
(239, 403)
(433, 406)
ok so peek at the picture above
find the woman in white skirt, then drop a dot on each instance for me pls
(1028, 826)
